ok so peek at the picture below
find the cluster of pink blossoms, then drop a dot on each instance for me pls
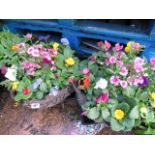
(116, 81)
(30, 66)
(139, 65)
(46, 54)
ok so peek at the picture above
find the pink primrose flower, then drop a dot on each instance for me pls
(123, 71)
(117, 47)
(29, 35)
(123, 83)
(112, 60)
(115, 80)
(86, 70)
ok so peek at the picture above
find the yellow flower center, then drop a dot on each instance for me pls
(14, 47)
(15, 85)
(70, 61)
(119, 114)
(153, 95)
(55, 46)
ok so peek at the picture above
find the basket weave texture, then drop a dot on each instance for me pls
(49, 100)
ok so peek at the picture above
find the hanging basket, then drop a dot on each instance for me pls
(49, 100)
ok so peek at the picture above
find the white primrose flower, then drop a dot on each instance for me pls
(102, 83)
(11, 73)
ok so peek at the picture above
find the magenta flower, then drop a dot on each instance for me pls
(29, 35)
(3, 69)
(117, 47)
(123, 83)
(103, 98)
(123, 71)
(45, 55)
(46, 61)
(115, 80)
(112, 60)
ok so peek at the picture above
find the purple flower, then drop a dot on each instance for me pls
(44, 37)
(64, 41)
(145, 82)
(3, 69)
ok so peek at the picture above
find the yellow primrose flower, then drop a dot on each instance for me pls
(55, 45)
(153, 95)
(119, 114)
(130, 43)
(16, 104)
(127, 49)
(15, 85)
(69, 61)
(14, 47)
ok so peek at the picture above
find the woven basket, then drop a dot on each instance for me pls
(49, 100)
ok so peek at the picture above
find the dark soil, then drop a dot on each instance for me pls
(52, 121)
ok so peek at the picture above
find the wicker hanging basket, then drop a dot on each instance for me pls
(49, 100)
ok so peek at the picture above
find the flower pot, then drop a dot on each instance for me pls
(49, 100)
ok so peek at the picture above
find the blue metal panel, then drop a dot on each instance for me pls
(66, 22)
(148, 53)
(76, 30)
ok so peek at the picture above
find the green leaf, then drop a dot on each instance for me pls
(144, 96)
(39, 95)
(113, 101)
(93, 113)
(123, 106)
(21, 86)
(129, 91)
(105, 113)
(115, 125)
(28, 96)
(99, 119)
(68, 52)
(128, 123)
(150, 117)
(60, 61)
(43, 87)
(134, 114)
(18, 97)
